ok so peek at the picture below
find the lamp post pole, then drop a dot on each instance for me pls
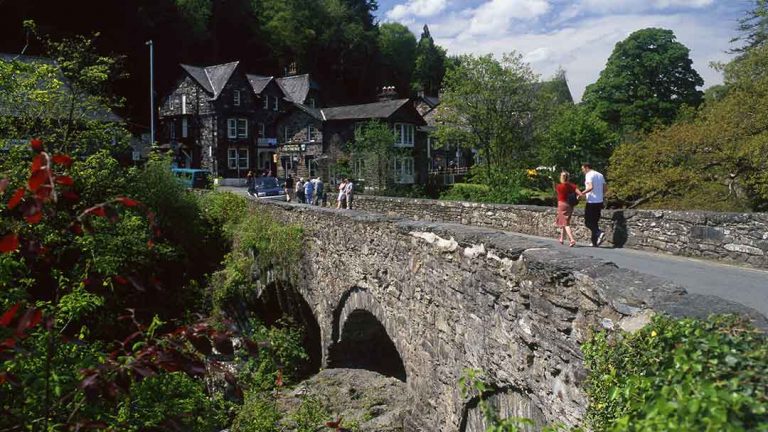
(151, 91)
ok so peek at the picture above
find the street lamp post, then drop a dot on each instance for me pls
(151, 91)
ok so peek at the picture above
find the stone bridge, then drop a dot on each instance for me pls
(424, 301)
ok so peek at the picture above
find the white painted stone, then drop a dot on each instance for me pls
(744, 249)
(474, 251)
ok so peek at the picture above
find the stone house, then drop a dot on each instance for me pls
(223, 119)
(316, 139)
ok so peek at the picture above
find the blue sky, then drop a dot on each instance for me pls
(577, 35)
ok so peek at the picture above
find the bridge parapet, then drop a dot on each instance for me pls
(452, 297)
(739, 238)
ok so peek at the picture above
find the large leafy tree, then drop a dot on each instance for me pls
(490, 106)
(715, 160)
(430, 66)
(648, 77)
(575, 135)
(398, 53)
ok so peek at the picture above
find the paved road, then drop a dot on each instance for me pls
(742, 285)
(739, 284)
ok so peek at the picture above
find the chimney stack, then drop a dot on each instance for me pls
(387, 94)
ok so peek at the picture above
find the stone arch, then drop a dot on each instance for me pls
(278, 300)
(507, 401)
(363, 337)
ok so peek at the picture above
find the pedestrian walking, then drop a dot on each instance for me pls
(309, 191)
(319, 191)
(349, 190)
(341, 200)
(595, 188)
(567, 197)
(300, 190)
(250, 183)
(288, 187)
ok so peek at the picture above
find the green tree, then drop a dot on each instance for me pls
(373, 150)
(575, 135)
(648, 77)
(490, 106)
(430, 66)
(716, 160)
(753, 28)
(397, 46)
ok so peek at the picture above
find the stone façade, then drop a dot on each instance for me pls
(452, 297)
(739, 238)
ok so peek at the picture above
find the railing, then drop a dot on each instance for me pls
(450, 171)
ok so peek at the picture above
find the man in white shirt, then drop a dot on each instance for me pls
(594, 191)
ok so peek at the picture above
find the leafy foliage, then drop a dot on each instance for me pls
(679, 375)
(576, 135)
(398, 55)
(430, 65)
(716, 160)
(648, 78)
(373, 149)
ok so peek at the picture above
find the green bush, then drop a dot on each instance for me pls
(258, 414)
(679, 375)
(174, 399)
(311, 415)
(499, 186)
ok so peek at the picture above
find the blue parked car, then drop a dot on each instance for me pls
(268, 188)
(193, 178)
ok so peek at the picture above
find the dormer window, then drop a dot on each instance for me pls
(236, 96)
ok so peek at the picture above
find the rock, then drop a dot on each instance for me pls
(366, 400)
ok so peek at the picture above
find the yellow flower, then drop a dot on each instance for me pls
(653, 333)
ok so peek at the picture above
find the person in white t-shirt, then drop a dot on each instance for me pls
(594, 192)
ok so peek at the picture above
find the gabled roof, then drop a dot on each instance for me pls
(297, 87)
(212, 78)
(376, 110)
(258, 82)
(314, 112)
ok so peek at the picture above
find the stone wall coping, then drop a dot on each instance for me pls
(685, 215)
(629, 292)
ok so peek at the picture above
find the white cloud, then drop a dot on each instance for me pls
(583, 47)
(631, 6)
(495, 16)
(419, 8)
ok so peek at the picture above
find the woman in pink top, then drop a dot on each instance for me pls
(567, 198)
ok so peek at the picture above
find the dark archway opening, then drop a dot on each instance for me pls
(364, 344)
(281, 305)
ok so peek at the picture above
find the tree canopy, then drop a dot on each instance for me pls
(430, 66)
(398, 55)
(648, 78)
(716, 160)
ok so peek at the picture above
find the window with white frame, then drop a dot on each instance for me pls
(184, 127)
(237, 158)
(237, 128)
(183, 104)
(276, 103)
(404, 135)
(310, 133)
(262, 133)
(171, 105)
(403, 169)
(266, 102)
(236, 95)
(358, 168)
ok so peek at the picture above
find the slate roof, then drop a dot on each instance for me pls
(212, 78)
(314, 112)
(297, 87)
(258, 82)
(376, 110)
(98, 113)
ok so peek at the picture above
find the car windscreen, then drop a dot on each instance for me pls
(266, 182)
